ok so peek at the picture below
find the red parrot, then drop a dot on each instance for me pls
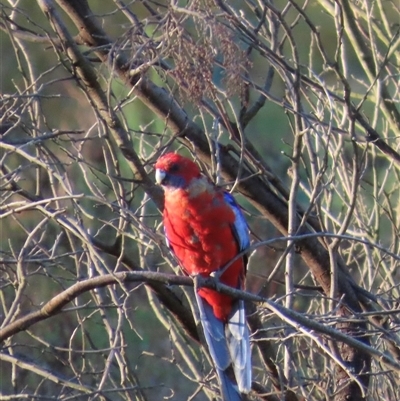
(206, 229)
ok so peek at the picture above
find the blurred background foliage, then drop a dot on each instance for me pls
(76, 184)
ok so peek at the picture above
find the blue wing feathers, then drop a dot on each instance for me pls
(240, 227)
(237, 332)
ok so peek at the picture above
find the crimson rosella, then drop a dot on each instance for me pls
(206, 230)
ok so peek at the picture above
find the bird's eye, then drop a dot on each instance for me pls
(174, 168)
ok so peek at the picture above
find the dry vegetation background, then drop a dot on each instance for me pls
(293, 105)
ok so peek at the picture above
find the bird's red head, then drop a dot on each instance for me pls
(174, 170)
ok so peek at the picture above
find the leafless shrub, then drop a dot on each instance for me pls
(292, 105)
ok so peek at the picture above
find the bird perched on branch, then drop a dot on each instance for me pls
(206, 230)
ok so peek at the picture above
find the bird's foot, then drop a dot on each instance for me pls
(199, 280)
(216, 276)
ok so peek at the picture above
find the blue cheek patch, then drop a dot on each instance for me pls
(175, 181)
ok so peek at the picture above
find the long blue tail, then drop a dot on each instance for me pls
(238, 339)
(228, 344)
